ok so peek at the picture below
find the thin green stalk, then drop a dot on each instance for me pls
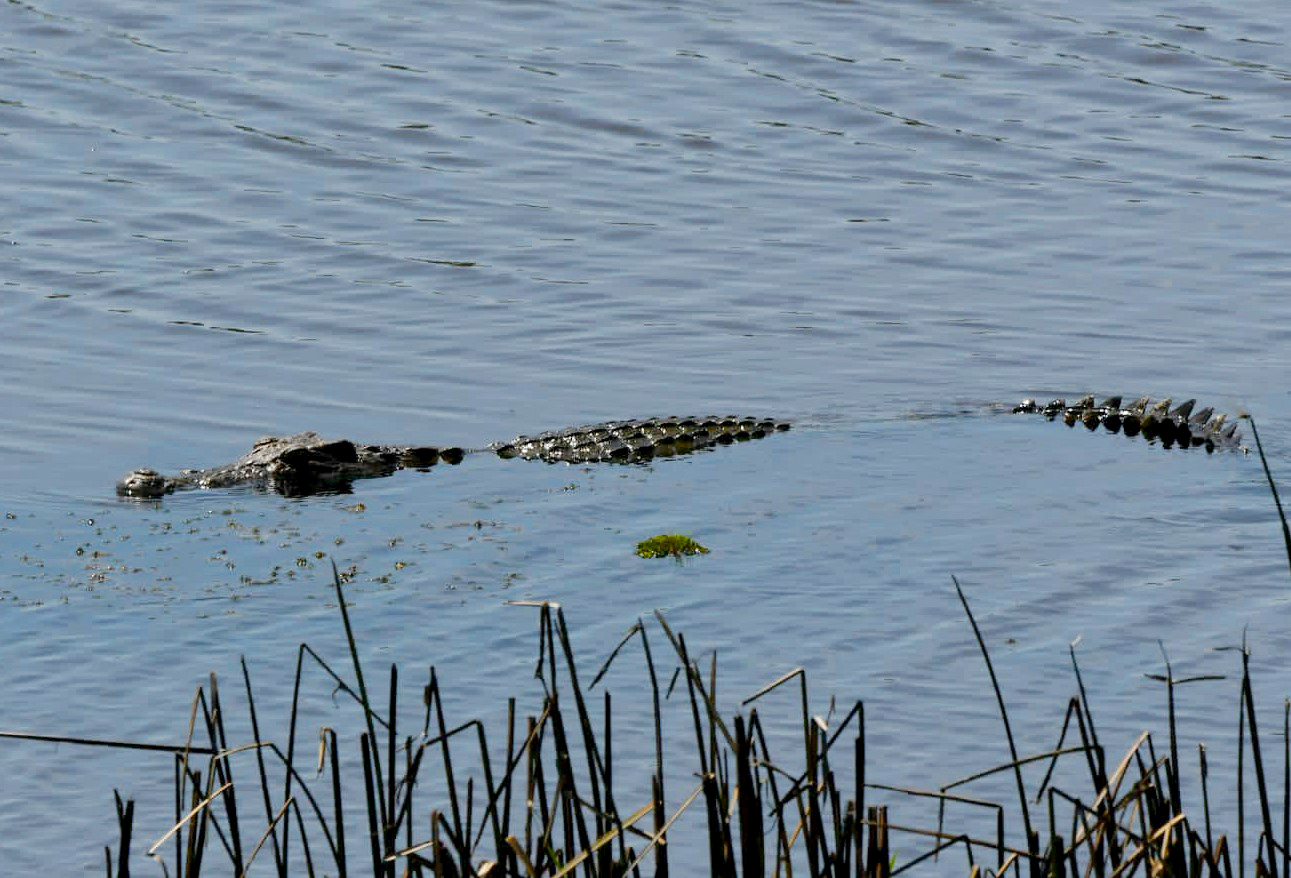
(1004, 715)
(279, 857)
(1273, 489)
(358, 675)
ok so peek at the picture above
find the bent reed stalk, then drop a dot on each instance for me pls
(553, 804)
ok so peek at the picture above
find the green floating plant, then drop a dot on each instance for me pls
(669, 545)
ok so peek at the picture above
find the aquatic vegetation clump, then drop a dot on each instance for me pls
(669, 546)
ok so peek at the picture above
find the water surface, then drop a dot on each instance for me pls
(452, 224)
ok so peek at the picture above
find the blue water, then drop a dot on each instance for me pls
(450, 224)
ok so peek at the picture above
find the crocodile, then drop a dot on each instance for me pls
(1155, 421)
(309, 464)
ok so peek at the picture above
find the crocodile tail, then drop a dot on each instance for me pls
(1156, 421)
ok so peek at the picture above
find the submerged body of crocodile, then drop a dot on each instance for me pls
(308, 464)
(1179, 427)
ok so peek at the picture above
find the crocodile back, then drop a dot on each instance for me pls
(638, 440)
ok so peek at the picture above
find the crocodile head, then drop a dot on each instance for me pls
(145, 483)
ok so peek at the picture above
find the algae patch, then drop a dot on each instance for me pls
(669, 545)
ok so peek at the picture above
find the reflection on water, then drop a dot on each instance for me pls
(446, 229)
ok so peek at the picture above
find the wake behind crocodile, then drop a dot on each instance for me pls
(306, 463)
